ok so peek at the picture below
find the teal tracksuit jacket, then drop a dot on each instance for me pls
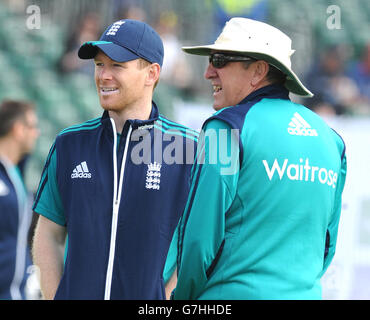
(261, 219)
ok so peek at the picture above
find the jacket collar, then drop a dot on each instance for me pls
(272, 91)
(135, 123)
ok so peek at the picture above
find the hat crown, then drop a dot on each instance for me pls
(258, 40)
(246, 35)
(137, 37)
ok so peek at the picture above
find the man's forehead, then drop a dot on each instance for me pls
(101, 55)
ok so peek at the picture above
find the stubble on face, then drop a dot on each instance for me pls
(119, 85)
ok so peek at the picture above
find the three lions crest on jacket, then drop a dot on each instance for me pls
(153, 175)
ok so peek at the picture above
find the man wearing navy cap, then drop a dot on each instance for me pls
(119, 207)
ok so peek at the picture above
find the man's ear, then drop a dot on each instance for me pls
(153, 74)
(261, 69)
(17, 130)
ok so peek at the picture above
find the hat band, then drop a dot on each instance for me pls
(98, 42)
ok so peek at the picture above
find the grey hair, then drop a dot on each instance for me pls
(274, 75)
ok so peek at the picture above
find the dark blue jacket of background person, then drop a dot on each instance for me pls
(120, 212)
(15, 220)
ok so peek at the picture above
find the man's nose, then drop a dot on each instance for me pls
(210, 72)
(105, 73)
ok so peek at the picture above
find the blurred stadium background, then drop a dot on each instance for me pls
(332, 57)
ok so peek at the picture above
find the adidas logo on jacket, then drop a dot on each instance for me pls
(81, 171)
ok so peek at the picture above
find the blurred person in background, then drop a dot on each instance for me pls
(119, 213)
(359, 71)
(87, 30)
(328, 79)
(130, 11)
(18, 134)
(176, 76)
(224, 10)
(262, 215)
(176, 70)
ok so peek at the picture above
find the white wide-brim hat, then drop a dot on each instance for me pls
(257, 40)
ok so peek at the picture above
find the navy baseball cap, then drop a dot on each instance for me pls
(126, 40)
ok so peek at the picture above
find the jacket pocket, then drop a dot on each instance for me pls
(215, 260)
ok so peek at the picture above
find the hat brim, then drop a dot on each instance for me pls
(117, 53)
(292, 83)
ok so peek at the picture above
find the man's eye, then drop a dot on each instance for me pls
(98, 64)
(117, 65)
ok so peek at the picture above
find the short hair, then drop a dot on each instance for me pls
(274, 75)
(10, 112)
(142, 63)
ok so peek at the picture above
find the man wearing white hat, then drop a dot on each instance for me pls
(263, 224)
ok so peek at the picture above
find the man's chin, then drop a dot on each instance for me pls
(107, 106)
(217, 106)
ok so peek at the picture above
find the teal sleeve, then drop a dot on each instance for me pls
(334, 223)
(202, 227)
(48, 202)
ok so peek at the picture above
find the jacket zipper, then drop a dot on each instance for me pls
(117, 191)
(24, 221)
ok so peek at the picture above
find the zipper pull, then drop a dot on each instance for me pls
(115, 207)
